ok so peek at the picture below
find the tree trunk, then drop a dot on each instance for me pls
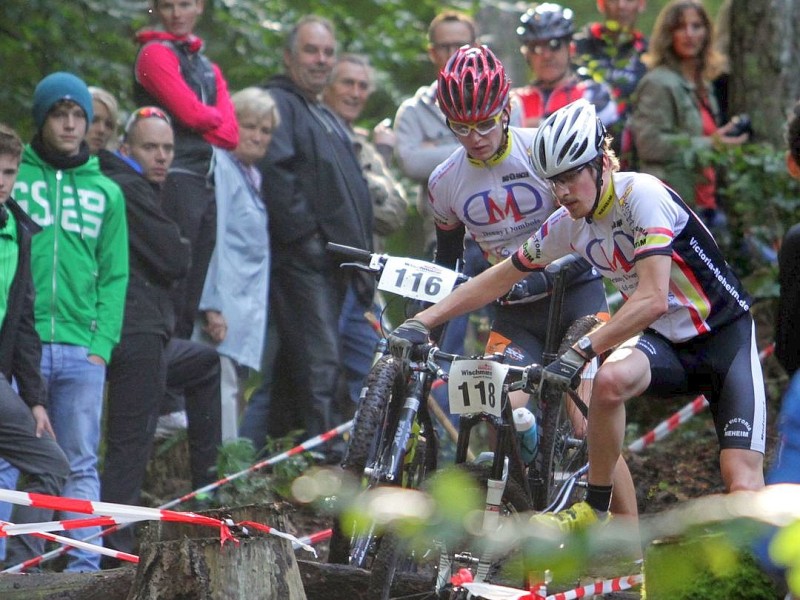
(179, 561)
(764, 54)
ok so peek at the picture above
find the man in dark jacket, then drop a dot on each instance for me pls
(315, 193)
(147, 358)
(27, 440)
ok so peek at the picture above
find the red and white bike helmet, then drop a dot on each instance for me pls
(473, 85)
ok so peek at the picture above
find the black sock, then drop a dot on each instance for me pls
(599, 497)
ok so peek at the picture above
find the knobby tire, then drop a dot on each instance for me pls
(561, 451)
(384, 380)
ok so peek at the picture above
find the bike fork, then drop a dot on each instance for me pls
(405, 426)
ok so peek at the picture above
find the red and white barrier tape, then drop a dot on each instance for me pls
(84, 545)
(669, 425)
(107, 513)
(300, 448)
(314, 538)
(599, 588)
(696, 406)
(497, 592)
(113, 514)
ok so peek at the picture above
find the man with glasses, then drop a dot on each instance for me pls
(148, 356)
(488, 189)
(685, 326)
(423, 138)
(545, 32)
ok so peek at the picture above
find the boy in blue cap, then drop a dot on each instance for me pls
(80, 274)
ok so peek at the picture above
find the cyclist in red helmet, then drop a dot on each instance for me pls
(487, 188)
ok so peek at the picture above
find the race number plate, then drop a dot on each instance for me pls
(476, 386)
(417, 279)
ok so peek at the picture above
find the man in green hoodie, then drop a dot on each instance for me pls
(80, 274)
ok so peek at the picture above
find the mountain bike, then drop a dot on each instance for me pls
(393, 443)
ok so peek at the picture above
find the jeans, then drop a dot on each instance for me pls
(40, 459)
(75, 395)
(359, 339)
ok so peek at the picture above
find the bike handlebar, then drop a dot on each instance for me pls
(350, 252)
(529, 375)
(563, 263)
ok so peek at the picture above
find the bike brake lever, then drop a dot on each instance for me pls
(359, 266)
(531, 378)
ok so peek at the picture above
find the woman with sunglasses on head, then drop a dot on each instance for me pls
(488, 189)
(545, 32)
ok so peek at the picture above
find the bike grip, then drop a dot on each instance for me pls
(562, 263)
(349, 252)
(419, 353)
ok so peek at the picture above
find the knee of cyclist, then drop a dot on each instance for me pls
(610, 389)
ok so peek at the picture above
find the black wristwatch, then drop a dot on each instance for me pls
(584, 346)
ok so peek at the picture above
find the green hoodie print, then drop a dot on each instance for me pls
(80, 258)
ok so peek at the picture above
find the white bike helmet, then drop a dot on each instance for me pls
(569, 138)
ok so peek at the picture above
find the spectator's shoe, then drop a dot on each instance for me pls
(170, 424)
(577, 517)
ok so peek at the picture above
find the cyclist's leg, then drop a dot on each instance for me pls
(738, 404)
(624, 374)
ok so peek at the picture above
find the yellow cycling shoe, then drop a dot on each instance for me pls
(577, 517)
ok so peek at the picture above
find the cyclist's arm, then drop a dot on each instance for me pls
(474, 294)
(645, 305)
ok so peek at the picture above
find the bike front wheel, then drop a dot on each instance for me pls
(562, 453)
(395, 554)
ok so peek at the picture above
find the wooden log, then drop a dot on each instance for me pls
(113, 584)
(178, 560)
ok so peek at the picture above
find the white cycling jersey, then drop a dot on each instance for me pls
(647, 218)
(500, 201)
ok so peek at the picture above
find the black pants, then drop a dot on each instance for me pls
(42, 465)
(189, 201)
(141, 367)
(306, 296)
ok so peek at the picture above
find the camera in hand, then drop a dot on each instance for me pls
(741, 124)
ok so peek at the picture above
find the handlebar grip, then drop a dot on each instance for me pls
(349, 252)
(563, 263)
(421, 352)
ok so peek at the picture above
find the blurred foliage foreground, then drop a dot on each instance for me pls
(703, 549)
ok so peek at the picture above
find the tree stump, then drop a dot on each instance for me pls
(179, 561)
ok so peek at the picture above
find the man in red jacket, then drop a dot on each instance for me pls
(172, 72)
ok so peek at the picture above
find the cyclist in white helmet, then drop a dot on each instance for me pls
(488, 189)
(685, 326)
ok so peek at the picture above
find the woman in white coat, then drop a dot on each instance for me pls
(234, 301)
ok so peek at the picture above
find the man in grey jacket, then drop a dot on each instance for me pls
(423, 138)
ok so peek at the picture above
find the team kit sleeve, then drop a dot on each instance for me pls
(655, 218)
(439, 198)
(551, 241)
